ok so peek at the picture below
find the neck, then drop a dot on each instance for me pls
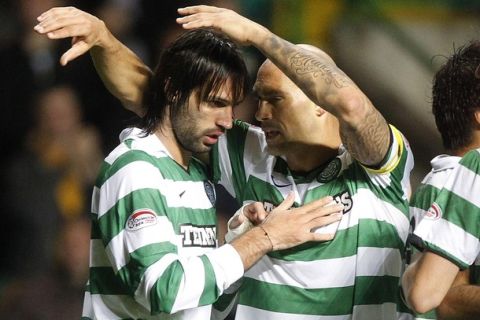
(460, 152)
(178, 153)
(302, 158)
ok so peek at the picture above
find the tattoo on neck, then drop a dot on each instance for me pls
(303, 64)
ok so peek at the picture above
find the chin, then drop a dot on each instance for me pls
(274, 151)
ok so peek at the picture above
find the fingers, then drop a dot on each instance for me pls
(324, 220)
(74, 52)
(55, 12)
(322, 237)
(237, 221)
(287, 203)
(314, 205)
(196, 9)
(197, 21)
(199, 16)
(255, 212)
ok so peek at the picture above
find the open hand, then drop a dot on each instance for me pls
(85, 30)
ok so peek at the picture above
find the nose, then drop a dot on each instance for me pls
(225, 119)
(264, 111)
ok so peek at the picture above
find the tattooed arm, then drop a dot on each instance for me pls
(363, 129)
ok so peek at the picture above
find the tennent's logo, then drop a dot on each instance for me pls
(198, 236)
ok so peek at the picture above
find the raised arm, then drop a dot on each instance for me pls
(363, 129)
(122, 72)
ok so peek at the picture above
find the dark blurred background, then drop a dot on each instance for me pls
(59, 122)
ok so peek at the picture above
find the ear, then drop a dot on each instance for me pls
(319, 111)
(476, 114)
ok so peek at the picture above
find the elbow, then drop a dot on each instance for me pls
(421, 301)
(354, 107)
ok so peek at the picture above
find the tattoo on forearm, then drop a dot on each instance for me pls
(304, 64)
(369, 141)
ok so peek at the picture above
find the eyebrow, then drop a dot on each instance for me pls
(265, 92)
(219, 99)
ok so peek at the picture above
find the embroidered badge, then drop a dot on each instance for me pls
(331, 171)
(140, 219)
(434, 212)
(210, 191)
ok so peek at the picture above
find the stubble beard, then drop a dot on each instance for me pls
(186, 132)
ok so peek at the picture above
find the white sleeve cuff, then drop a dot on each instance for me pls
(241, 229)
(227, 264)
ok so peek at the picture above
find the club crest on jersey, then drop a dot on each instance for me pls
(210, 192)
(198, 236)
(330, 172)
(434, 212)
(140, 219)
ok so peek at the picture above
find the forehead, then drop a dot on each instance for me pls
(223, 91)
(271, 79)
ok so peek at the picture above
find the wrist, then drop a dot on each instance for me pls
(267, 235)
(239, 229)
(106, 40)
(261, 35)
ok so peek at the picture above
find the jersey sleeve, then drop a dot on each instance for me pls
(135, 244)
(393, 173)
(451, 227)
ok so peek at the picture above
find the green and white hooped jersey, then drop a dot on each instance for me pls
(451, 226)
(354, 276)
(424, 196)
(152, 249)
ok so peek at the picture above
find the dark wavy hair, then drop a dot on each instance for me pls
(200, 60)
(456, 96)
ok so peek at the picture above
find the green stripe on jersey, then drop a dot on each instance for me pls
(453, 204)
(235, 144)
(424, 196)
(327, 301)
(167, 166)
(165, 289)
(210, 293)
(104, 281)
(140, 260)
(346, 243)
(114, 221)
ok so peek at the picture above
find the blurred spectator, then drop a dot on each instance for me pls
(56, 293)
(28, 62)
(50, 181)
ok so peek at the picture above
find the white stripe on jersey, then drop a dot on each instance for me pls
(304, 274)
(126, 242)
(470, 246)
(379, 210)
(178, 194)
(249, 313)
(464, 189)
(373, 262)
(194, 275)
(150, 277)
(384, 311)
(360, 312)
(226, 168)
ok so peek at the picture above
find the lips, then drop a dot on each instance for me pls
(212, 137)
(270, 133)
